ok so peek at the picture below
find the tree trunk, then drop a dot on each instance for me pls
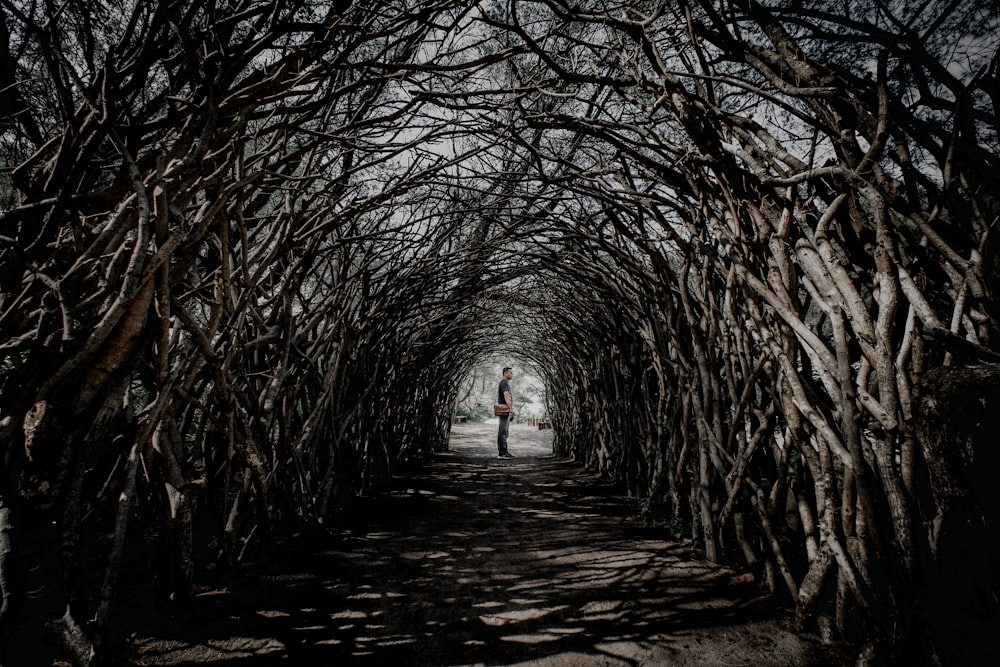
(957, 423)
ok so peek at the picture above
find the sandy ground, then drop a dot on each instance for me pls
(480, 561)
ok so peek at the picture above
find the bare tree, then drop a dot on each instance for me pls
(805, 200)
(205, 210)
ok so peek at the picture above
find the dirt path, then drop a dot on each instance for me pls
(486, 561)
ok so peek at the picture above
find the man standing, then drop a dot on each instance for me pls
(503, 396)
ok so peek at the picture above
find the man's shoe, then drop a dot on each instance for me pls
(505, 455)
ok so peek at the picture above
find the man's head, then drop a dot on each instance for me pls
(507, 373)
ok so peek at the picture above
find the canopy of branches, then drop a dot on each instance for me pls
(250, 250)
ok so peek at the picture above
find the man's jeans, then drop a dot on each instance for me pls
(502, 434)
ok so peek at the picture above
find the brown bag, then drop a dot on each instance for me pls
(501, 410)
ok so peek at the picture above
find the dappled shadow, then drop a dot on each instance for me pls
(479, 560)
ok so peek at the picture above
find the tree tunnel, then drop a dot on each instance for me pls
(250, 250)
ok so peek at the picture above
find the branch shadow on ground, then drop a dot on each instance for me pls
(479, 561)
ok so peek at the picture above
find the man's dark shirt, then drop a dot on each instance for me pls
(504, 386)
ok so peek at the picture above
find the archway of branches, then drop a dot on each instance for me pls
(251, 249)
